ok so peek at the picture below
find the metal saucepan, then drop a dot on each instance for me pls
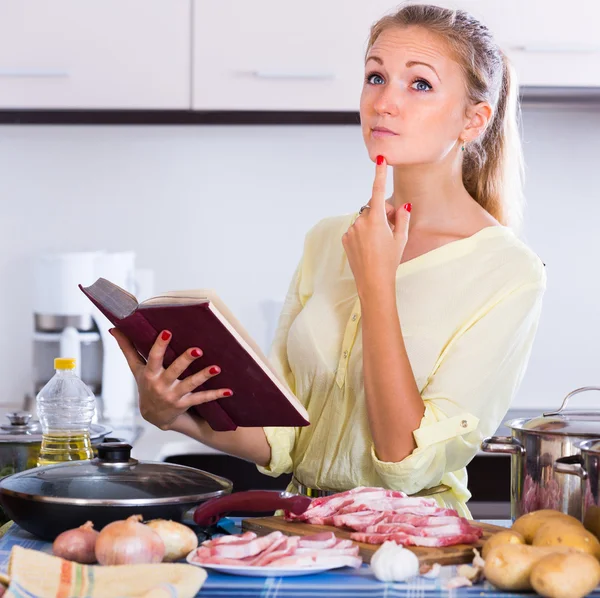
(586, 466)
(534, 446)
(21, 440)
(49, 500)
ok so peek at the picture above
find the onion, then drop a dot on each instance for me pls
(77, 544)
(179, 539)
(129, 542)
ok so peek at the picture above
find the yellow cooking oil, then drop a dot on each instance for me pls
(65, 407)
(58, 447)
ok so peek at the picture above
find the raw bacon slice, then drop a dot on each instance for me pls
(377, 514)
(277, 550)
(319, 558)
(326, 506)
(410, 540)
(316, 541)
(452, 529)
(286, 547)
(245, 548)
(358, 520)
(228, 539)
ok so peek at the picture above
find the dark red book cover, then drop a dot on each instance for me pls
(257, 400)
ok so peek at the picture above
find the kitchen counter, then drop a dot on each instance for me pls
(340, 582)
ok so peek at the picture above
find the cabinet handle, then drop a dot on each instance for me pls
(33, 73)
(551, 48)
(268, 74)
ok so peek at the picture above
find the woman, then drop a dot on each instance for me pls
(408, 326)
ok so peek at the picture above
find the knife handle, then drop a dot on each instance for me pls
(212, 510)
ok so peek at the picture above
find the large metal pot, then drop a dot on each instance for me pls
(534, 446)
(586, 466)
(21, 440)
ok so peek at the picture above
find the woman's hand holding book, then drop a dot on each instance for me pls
(163, 397)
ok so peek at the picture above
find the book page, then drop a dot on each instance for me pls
(178, 298)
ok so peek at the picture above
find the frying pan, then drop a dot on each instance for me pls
(48, 500)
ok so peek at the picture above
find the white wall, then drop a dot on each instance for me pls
(227, 207)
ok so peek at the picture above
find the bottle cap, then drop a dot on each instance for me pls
(64, 363)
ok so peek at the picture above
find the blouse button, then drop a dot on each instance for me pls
(464, 423)
(354, 316)
(345, 354)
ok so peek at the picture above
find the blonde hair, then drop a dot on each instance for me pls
(493, 164)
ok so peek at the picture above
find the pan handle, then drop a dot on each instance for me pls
(502, 444)
(210, 512)
(572, 465)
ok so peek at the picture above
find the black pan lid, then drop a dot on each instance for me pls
(115, 479)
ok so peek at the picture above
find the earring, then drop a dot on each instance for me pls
(463, 146)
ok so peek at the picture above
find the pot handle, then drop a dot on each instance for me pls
(572, 465)
(210, 512)
(502, 444)
(571, 394)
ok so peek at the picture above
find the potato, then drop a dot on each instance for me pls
(557, 533)
(565, 575)
(508, 536)
(528, 524)
(509, 566)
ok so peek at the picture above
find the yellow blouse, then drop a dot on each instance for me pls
(468, 310)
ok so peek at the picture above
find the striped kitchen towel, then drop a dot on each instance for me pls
(35, 574)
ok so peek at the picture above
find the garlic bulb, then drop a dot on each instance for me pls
(393, 562)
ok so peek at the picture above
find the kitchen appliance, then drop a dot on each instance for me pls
(48, 500)
(67, 324)
(21, 439)
(536, 443)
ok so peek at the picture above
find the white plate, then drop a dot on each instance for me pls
(250, 571)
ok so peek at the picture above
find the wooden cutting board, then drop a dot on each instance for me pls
(448, 555)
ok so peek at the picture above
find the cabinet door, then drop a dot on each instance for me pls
(553, 46)
(95, 54)
(277, 55)
(549, 46)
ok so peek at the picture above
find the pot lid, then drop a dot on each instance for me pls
(581, 425)
(115, 479)
(590, 446)
(584, 424)
(20, 428)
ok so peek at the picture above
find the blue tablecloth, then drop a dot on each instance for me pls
(345, 583)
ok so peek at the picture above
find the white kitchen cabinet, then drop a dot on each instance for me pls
(271, 55)
(549, 44)
(274, 55)
(95, 54)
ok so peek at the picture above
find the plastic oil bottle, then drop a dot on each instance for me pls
(65, 409)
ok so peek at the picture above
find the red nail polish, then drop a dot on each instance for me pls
(165, 335)
(408, 207)
(379, 160)
(214, 370)
(227, 393)
(195, 353)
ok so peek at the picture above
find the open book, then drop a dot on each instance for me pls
(200, 319)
